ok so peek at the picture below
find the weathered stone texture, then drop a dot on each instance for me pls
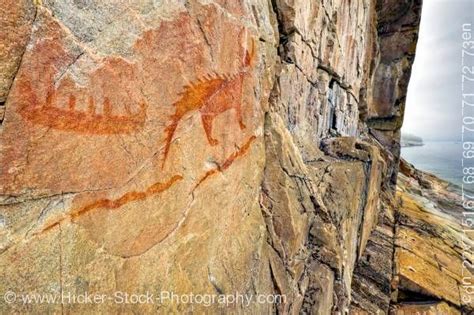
(371, 288)
(216, 147)
(397, 28)
(434, 308)
(16, 18)
(120, 125)
(432, 256)
(325, 51)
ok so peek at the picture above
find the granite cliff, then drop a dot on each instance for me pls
(217, 147)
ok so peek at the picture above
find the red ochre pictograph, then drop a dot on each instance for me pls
(228, 162)
(126, 198)
(69, 107)
(87, 122)
(111, 104)
(152, 190)
(211, 95)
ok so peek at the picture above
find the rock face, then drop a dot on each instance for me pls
(419, 252)
(121, 123)
(432, 255)
(16, 18)
(397, 31)
(216, 147)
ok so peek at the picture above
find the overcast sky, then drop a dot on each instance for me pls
(433, 108)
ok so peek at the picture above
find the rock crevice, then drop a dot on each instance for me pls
(218, 147)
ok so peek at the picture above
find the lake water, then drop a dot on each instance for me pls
(442, 159)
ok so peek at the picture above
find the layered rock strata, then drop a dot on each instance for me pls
(215, 147)
(420, 254)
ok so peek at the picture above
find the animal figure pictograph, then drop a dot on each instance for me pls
(211, 95)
